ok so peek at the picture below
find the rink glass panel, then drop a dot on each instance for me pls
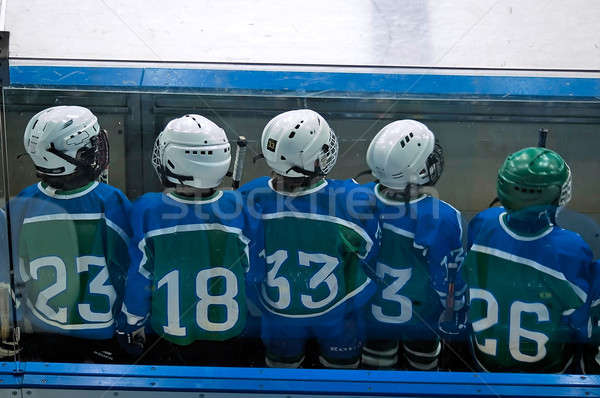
(476, 135)
(7, 314)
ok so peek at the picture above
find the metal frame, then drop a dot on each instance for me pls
(303, 382)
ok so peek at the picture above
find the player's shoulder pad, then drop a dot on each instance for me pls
(351, 186)
(491, 213)
(445, 208)
(110, 193)
(572, 241)
(447, 214)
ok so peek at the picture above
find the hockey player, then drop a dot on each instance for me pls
(421, 250)
(70, 240)
(190, 249)
(316, 245)
(527, 276)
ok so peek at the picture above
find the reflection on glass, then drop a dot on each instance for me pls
(301, 266)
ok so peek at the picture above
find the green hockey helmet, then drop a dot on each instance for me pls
(534, 177)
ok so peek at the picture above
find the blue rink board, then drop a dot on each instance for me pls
(302, 83)
(287, 382)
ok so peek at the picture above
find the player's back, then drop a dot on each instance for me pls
(71, 248)
(522, 290)
(189, 262)
(418, 240)
(316, 246)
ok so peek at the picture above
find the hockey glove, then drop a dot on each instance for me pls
(453, 325)
(132, 342)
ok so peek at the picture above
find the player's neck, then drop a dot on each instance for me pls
(528, 222)
(185, 192)
(293, 184)
(401, 196)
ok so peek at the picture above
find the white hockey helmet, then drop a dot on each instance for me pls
(193, 151)
(299, 143)
(405, 152)
(63, 140)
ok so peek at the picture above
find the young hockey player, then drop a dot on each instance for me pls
(527, 276)
(316, 245)
(70, 240)
(421, 251)
(190, 249)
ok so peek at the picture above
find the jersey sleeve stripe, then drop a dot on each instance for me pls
(63, 217)
(321, 217)
(144, 260)
(131, 318)
(530, 263)
(401, 232)
(117, 229)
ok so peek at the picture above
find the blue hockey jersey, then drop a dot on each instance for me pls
(525, 292)
(72, 254)
(189, 264)
(418, 245)
(317, 244)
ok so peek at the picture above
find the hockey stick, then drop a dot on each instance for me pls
(238, 165)
(5, 326)
(447, 323)
(542, 135)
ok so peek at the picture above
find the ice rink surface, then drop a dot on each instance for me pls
(505, 34)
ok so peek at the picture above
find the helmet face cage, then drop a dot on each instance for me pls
(329, 154)
(435, 164)
(95, 156)
(566, 190)
(157, 154)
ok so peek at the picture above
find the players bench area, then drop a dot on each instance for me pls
(477, 118)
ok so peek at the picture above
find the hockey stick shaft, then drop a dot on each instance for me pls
(542, 136)
(238, 165)
(447, 318)
(5, 325)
